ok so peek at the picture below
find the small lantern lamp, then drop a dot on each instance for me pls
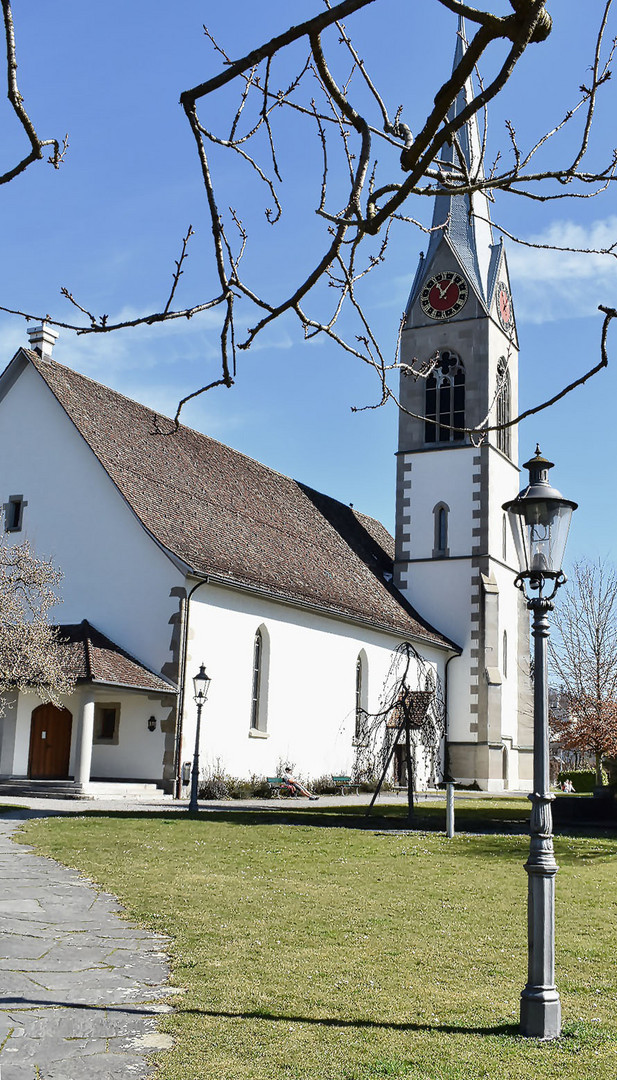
(540, 520)
(201, 685)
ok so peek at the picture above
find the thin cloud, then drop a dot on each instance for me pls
(550, 285)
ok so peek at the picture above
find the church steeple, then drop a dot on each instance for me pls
(454, 556)
(464, 220)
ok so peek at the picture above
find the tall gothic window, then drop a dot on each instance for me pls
(361, 698)
(445, 400)
(503, 405)
(259, 687)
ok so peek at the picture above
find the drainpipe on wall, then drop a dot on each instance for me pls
(186, 605)
(446, 750)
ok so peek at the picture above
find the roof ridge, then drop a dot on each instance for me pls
(87, 648)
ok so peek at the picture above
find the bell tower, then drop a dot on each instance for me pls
(455, 559)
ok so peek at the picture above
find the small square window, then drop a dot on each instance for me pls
(14, 513)
(106, 723)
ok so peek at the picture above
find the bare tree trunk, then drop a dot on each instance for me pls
(599, 777)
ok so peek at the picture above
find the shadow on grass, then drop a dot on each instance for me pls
(336, 1022)
(285, 1018)
(486, 821)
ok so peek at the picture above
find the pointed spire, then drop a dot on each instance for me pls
(470, 234)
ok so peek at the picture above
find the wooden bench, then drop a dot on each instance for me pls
(275, 782)
(343, 782)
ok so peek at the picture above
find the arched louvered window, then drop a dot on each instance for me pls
(440, 515)
(503, 405)
(445, 400)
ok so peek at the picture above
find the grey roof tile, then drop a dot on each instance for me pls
(225, 515)
(90, 656)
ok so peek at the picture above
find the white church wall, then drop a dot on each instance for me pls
(505, 481)
(440, 476)
(21, 715)
(138, 754)
(311, 685)
(8, 732)
(116, 577)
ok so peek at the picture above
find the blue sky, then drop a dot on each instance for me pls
(109, 224)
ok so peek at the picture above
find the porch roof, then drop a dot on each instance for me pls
(90, 656)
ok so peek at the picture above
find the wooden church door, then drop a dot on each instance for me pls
(50, 743)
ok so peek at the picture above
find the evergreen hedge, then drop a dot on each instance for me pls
(584, 780)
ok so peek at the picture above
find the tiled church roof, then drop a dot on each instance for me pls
(225, 515)
(91, 657)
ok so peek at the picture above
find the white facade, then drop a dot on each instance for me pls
(308, 689)
(137, 755)
(76, 516)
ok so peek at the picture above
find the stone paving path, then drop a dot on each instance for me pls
(81, 990)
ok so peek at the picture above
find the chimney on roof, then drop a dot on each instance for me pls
(42, 339)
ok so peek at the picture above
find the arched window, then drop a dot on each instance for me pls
(440, 515)
(503, 405)
(445, 400)
(504, 655)
(259, 688)
(361, 698)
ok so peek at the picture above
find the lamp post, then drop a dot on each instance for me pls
(540, 520)
(201, 685)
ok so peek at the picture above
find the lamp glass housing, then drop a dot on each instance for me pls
(201, 685)
(540, 529)
(540, 520)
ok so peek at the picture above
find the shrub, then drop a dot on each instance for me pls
(324, 785)
(239, 789)
(213, 787)
(260, 788)
(584, 780)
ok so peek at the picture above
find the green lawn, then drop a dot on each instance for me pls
(313, 952)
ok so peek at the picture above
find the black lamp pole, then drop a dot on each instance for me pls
(201, 685)
(540, 520)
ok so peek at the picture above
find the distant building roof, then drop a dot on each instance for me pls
(91, 657)
(229, 517)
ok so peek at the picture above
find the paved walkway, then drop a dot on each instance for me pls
(81, 989)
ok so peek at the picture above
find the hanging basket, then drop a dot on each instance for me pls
(411, 707)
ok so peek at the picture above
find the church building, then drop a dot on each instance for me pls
(178, 551)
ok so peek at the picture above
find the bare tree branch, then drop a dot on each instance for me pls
(17, 101)
(358, 195)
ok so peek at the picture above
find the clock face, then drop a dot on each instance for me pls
(504, 306)
(444, 294)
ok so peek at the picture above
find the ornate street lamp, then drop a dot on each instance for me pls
(201, 685)
(540, 520)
